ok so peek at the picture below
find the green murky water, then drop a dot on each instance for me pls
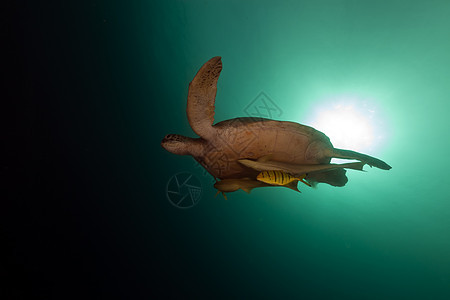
(385, 235)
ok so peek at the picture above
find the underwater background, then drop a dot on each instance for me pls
(101, 83)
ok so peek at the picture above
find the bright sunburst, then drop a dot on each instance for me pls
(349, 123)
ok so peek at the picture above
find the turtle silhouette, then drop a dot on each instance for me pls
(235, 151)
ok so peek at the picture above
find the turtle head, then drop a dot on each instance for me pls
(178, 144)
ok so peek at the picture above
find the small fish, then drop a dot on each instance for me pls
(247, 184)
(279, 178)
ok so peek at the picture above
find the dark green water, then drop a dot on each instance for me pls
(104, 82)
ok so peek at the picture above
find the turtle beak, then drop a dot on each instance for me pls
(167, 139)
(174, 143)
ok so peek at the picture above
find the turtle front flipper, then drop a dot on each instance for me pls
(201, 98)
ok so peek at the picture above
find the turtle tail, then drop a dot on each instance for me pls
(371, 161)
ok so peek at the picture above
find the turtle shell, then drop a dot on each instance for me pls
(250, 138)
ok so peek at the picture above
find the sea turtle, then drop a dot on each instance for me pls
(237, 150)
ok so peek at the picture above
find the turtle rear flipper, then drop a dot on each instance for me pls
(371, 161)
(202, 96)
(334, 177)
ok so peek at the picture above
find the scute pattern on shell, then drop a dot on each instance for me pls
(249, 138)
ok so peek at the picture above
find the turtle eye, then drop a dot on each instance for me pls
(172, 137)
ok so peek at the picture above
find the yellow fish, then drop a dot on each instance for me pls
(279, 178)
